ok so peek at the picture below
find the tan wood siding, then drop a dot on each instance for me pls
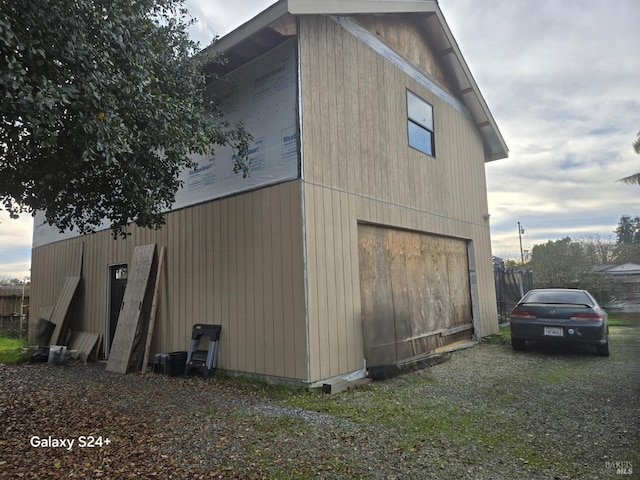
(408, 39)
(237, 262)
(335, 334)
(358, 168)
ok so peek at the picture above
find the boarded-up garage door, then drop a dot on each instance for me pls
(415, 293)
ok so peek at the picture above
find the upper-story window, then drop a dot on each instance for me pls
(420, 124)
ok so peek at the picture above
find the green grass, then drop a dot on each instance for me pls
(624, 321)
(417, 421)
(10, 348)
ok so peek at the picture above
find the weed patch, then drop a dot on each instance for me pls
(10, 349)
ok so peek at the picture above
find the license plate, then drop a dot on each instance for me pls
(553, 332)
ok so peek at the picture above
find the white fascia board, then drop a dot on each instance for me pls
(352, 7)
(475, 101)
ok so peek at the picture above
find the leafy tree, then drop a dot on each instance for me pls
(598, 251)
(635, 178)
(628, 239)
(628, 231)
(568, 263)
(557, 264)
(102, 102)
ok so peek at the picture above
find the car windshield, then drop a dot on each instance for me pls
(558, 296)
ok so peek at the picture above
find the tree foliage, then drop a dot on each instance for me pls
(635, 178)
(557, 263)
(102, 103)
(568, 263)
(628, 230)
(628, 239)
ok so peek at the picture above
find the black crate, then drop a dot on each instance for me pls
(171, 364)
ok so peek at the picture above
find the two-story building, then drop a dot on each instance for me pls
(361, 237)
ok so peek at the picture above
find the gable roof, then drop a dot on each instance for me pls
(257, 36)
(624, 269)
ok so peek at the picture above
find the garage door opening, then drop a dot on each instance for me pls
(415, 293)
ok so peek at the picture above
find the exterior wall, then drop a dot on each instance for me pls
(357, 167)
(407, 38)
(237, 262)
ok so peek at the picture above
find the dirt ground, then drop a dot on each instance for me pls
(486, 413)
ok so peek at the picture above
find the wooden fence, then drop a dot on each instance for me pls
(14, 308)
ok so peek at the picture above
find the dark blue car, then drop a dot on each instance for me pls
(560, 315)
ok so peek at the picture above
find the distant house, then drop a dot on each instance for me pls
(361, 237)
(626, 285)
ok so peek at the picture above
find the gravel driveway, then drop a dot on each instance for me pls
(486, 413)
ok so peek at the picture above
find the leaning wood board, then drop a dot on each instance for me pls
(129, 328)
(59, 314)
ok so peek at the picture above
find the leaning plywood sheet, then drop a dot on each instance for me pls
(86, 343)
(59, 314)
(45, 313)
(131, 324)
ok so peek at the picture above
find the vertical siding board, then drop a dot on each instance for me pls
(242, 287)
(183, 271)
(313, 280)
(233, 282)
(331, 294)
(358, 345)
(383, 163)
(259, 227)
(210, 262)
(348, 269)
(343, 271)
(251, 284)
(351, 98)
(322, 314)
(369, 131)
(335, 113)
(288, 325)
(269, 349)
(226, 337)
(299, 313)
(201, 264)
(219, 256)
(313, 133)
(190, 277)
(278, 298)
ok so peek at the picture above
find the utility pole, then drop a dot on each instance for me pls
(520, 232)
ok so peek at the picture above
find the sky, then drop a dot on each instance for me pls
(562, 80)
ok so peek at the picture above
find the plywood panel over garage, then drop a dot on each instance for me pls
(415, 293)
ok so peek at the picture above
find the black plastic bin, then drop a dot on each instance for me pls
(171, 364)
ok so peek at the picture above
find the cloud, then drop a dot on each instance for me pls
(15, 245)
(217, 17)
(561, 80)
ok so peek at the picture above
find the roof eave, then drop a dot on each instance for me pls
(450, 54)
(353, 7)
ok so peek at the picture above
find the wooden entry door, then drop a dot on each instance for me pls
(117, 285)
(415, 293)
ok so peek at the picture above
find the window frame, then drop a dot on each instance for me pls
(425, 125)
